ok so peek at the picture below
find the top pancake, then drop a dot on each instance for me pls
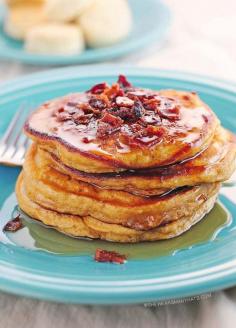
(119, 127)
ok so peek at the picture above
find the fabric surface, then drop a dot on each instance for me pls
(201, 40)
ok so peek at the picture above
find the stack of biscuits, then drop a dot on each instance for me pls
(124, 164)
(65, 27)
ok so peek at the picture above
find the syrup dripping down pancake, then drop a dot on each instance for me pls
(88, 226)
(60, 192)
(119, 127)
(216, 163)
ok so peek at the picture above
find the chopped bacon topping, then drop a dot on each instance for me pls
(138, 115)
(112, 120)
(98, 88)
(114, 91)
(108, 125)
(102, 255)
(123, 82)
(97, 103)
(14, 225)
(82, 119)
(124, 101)
(169, 110)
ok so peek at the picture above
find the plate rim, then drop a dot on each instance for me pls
(224, 277)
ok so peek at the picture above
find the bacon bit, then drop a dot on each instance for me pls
(86, 140)
(137, 94)
(112, 120)
(98, 88)
(186, 97)
(63, 116)
(86, 108)
(138, 109)
(125, 113)
(150, 118)
(104, 129)
(124, 101)
(108, 125)
(151, 103)
(102, 255)
(169, 110)
(155, 131)
(71, 104)
(114, 91)
(129, 114)
(14, 225)
(123, 82)
(97, 103)
(82, 119)
(205, 118)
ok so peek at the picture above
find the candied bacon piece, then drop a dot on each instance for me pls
(155, 131)
(137, 135)
(108, 125)
(169, 109)
(125, 113)
(114, 91)
(82, 119)
(86, 108)
(14, 225)
(87, 140)
(150, 117)
(63, 116)
(138, 109)
(124, 102)
(71, 104)
(123, 82)
(102, 255)
(98, 88)
(104, 129)
(112, 120)
(205, 118)
(97, 103)
(151, 103)
(128, 114)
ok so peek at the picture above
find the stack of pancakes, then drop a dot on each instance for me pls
(124, 164)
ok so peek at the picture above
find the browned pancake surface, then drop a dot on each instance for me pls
(118, 127)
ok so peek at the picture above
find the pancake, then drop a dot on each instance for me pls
(124, 164)
(215, 164)
(59, 192)
(119, 127)
(90, 227)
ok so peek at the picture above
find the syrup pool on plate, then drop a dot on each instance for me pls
(36, 236)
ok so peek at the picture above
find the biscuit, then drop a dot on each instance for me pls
(54, 39)
(21, 19)
(106, 22)
(65, 10)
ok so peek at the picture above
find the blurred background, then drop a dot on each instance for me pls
(199, 37)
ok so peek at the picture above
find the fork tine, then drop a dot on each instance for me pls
(17, 131)
(10, 127)
(14, 144)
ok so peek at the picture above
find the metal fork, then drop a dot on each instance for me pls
(14, 144)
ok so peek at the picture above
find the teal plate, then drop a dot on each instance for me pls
(204, 267)
(150, 23)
